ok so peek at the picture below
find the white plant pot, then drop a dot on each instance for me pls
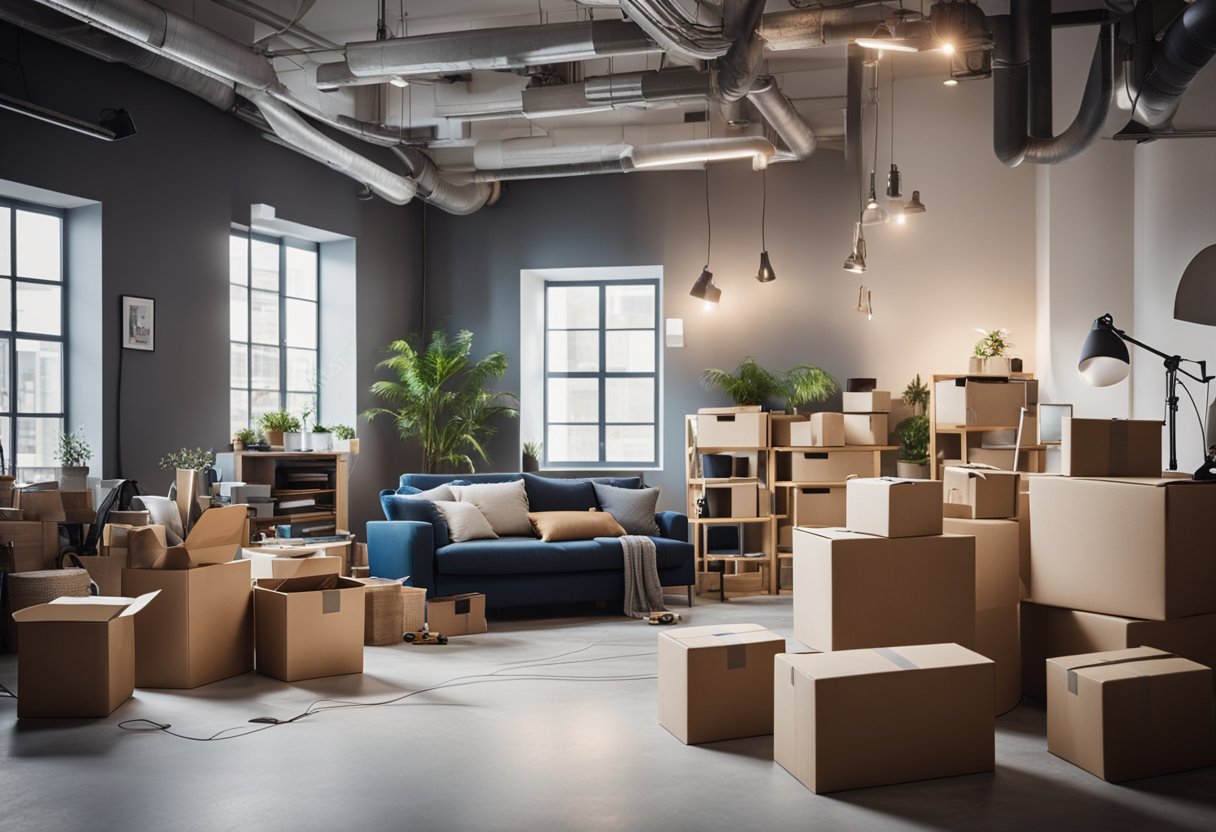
(74, 478)
(323, 442)
(911, 471)
(996, 366)
(347, 446)
(293, 441)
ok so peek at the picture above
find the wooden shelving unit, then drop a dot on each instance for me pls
(962, 441)
(274, 468)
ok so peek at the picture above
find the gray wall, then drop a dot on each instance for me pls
(168, 198)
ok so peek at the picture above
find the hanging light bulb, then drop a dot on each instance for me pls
(883, 38)
(897, 212)
(704, 289)
(765, 274)
(864, 304)
(873, 214)
(893, 181)
(914, 205)
(856, 261)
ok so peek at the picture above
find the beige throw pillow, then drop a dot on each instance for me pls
(465, 521)
(574, 525)
(504, 505)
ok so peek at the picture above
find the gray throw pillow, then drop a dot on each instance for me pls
(633, 508)
(440, 493)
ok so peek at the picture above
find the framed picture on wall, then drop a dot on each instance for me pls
(138, 323)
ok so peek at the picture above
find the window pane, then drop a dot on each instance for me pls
(629, 399)
(263, 401)
(301, 273)
(301, 323)
(573, 307)
(38, 245)
(37, 440)
(265, 369)
(297, 403)
(238, 410)
(629, 306)
(629, 351)
(302, 371)
(239, 369)
(5, 402)
(265, 317)
(6, 304)
(6, 242)
(238, 313)
(629, 443)
(573, 443)
(39, 377)
(39, 309)
(10, 461)
(574, 351)
(574, 400)
(265, 262)
(238, 259)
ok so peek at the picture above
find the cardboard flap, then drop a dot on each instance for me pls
(144, 547)
(716, 633)
(217, 534)
(838, 534)
(884, 660)
(94, 608)
(308, 583)
(139, 603)
(1132, 654)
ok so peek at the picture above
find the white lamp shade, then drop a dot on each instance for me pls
(1103, 371)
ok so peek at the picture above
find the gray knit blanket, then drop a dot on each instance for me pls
(643, 593)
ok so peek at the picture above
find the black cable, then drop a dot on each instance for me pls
(1203, 440)
(763, 207)
(122, 324)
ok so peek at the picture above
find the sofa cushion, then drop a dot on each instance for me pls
(402, 507)
(504, 504)
(554, 494)
(465, 521)
(633, 508)
(527, 555)
(554, 526)
(427, 481)
(619, 482)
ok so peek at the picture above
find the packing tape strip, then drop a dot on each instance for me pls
(1116, 447)
(331, 601)
(1072, 671)
(902, 662)
(736, 650)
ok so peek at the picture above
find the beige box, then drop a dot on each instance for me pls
(820, 430)
(1135, 547)
(35, 544)
(1110, 448)
(858, 718)
(76, 656)
(115, 537)
(1048, 632)
(785, 537)
(893, 507)
(976, 402)
(201, 629)
(732, 499)
(782, 426)
(875, 401)
(1030, 461)
(996, 559)
(215, 538)
(748, 429)
(997, 636)
(829, 466)
(106, 571)
(865, 429)
(977, 492)
(716, 682)
(857, 590)
(290, 562)
(457, 615)
(1126, 714)
(1024, 543)
(817, 506)
(309, 627)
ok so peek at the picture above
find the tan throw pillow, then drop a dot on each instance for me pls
(574, 525)
(465, 521)
(504, 504)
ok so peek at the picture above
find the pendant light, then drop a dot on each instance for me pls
(766, 273)
(704, 288)
(914, 205)
(873, 213)
(893, 178)
(856, 261)
(864, 302)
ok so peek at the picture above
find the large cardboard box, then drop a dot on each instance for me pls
(35, 544)
(105, 571)
(997, 637)
(457, 615)
(865, 429)
(820, 430)
(1048, 632)
(857, 590)
(1126, 714)
(214, 538)
(716, 682)
(309, 627)
(891, 715)
(1029, 461)
(979, 402)
(894, 507)
(77, 656)
(745, 429)
(875, 401)
(201, 629)
(829, 466)
(733, 499)
(290, 562)
(817, 506)
(979, 492)
(1135, 547)
(996, 559)
(1110, 448)
(782, 426)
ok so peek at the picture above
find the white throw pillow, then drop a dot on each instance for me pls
(504, 504)
(436, 494)
(465, 521)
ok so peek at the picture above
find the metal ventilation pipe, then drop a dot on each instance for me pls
(456, 199)
(673, 30)
(627, 89)
(277, 22)
(779, 112)
(1188, 45)
(738, 69)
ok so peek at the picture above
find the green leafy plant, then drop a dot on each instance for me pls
(320, 429)
(248, 436)
(439, 398)
(191, 459)
(913, 432)
(994, 344)
(916, 396)
(751, 384)
(343, 432)
(279, 420)
(73, 450)
(533, 449)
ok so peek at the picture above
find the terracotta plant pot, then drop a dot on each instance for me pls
(274, 438)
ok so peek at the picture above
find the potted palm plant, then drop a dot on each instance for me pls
(275, 424)
(751, 384)
(913, 433)
(438, 397)
(73, 454)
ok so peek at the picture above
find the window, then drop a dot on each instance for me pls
(601, 373)
(274, 323)
(32, 337)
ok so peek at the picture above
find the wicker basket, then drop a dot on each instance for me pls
(28, 589)
(384, 612)
(414, 601)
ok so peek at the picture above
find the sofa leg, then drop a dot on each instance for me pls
(692, 594)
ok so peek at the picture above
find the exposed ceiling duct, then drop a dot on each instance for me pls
(1187, 46)
(457, 198)
(284, 26)
(625, 89)
(782, 117)
(696, 36)
(738, 68)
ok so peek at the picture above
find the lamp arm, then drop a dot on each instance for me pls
(1129, 339)
(1202, 378)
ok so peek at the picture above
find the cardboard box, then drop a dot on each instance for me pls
(785, 537)
(716, 682)
(857, 590)
(457, 615)
(106, 571)
(309, 627)
(996, 559)
(280, 562)
(781, 425)
(215, 538)
(821, 430)
(859, 718)
(1024, 543)
(1135, 547)
(829, 466)
(732, 499)
(77, 656)
(817, 507)
(1126, 714)
(875, 401)
(893, 507)
(35, 544)
(1003, 458)
(1110, 448)
(997, 637)
(979, 402)
(976, 492)
(200, 631)
(44, 506)
(115, 538)
(865, 429)
(732, 430)
(1048, 632)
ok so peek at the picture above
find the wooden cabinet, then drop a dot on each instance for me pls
(316, 482)
(991, 444)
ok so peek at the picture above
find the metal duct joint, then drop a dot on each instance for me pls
(1188, 45)
(779, 112)
(678, 32)
(455, 199)
(738, 69)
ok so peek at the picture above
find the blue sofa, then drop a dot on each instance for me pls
(517, 571)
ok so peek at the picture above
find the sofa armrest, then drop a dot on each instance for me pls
(397, 548)
(672, 525)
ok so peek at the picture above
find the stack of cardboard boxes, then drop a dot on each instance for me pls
(865, 417)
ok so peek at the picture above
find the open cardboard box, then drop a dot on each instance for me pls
(215, 538)
(309, 627)
(290, 562)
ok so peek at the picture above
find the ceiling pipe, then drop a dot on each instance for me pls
(672, 29)
(629, 89)
(1185, 49)
(434, 188)
(283, 25)
(779, 112)
(738, 69)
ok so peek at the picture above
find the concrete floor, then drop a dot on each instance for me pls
(507, 748)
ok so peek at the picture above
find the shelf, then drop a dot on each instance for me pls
(835, 449)
(812, 484)
(727, 521)
(289, 454)
(973, 428)
(300, 492)
(743, 449)
(724, 481)
(760, 558)
(297, 518)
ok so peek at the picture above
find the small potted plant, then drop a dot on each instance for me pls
(276, 423)
(532, 454)
(991, 354)
(192, 469)
(913, 433)
(322, 439)
(245, 438)
(73, 454)
(345, 440)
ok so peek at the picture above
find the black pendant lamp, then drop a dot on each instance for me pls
(704, 289)
(765, 273)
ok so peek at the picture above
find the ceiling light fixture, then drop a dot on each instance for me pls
(112, 124)
(864, 302)
(704, 289)
(873, 213)
(893, 178)
(914, 205)
(765, 273)
(884, 39)
(856, 261)
(398, 81)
